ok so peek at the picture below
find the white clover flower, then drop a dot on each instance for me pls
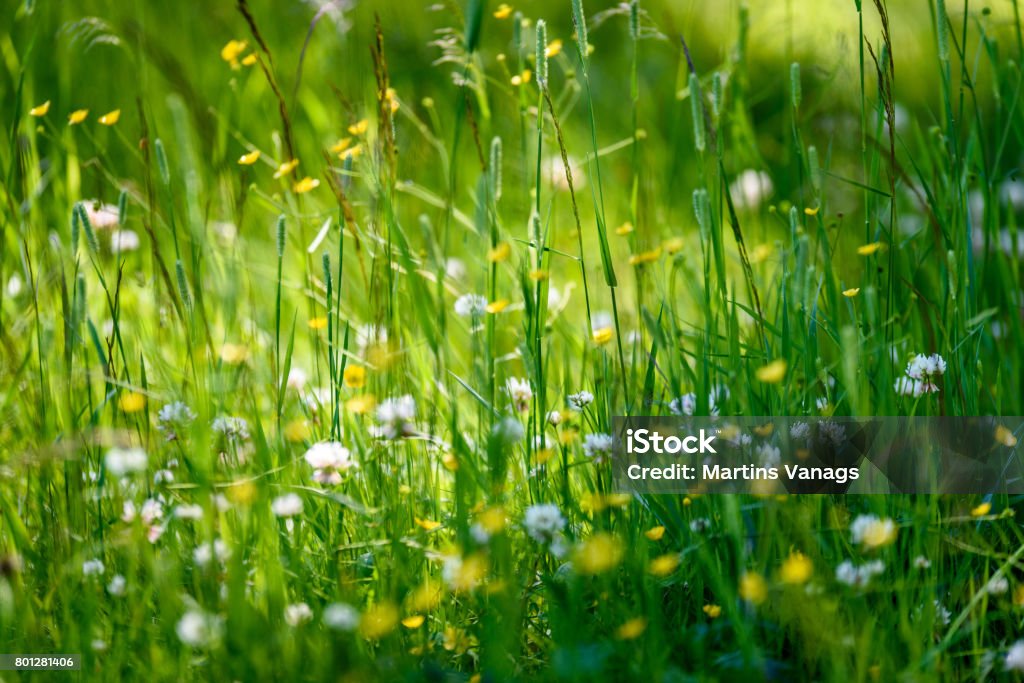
(288, 505)
(821, 403)
(394, 417)
(926, 367)
(206, 552)
(907, 386)
(858, 577)
(768, 455)
(480, 533)
(328, 460)
(121, 462)
(117, 586)
(98, 645)
(598, 447)
(341, 616)
(198, 629)
(101, 216)
(872, 531)
(152, 511)
(997, 585)
(1015, 657)
(297, 614)
(163, 477)
(14, 286)
(509, 430)
(128, 512)
(799, 431)
(233, 429)
(554, 418)
(470, 306)
(543, 522)
(942, 614)
(832, 432)
(700, 525)
(454, 268)
(93, 567)
(154, 532)
(122, 241)
(297, 379)
(192, 511)
(580, 400)
(684, 405)
(922, 562)
(750, 188)
(174, 418)
(521, 393)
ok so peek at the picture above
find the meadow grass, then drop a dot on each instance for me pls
(312, 326)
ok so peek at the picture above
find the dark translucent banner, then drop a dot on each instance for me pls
(767, 455)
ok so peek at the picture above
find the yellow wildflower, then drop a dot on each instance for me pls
(360, 405)
(379, 620)
(318, 323)
(249, 59)
(305, 185)
(852, 292)
(286, 168)
(812, 212)
(624, 229)
(981, 510)
(600, 553)
(713, 611)
(131, 402)
(355, 376)
(632, 629)
(1005, 437)
(297, 430)
(673, 245)
(773, 373)
(232, 50)
(869, 249)
(414, 621)
(753, 588)
(359, 127)
(40, 109)
(523, 78)
(249, 158)
(761, 253)
(426, 524)
(234, 354)
(603, 335)
(110, 118)
(77, 116)
(504, 11)
(341, 145)
(655, 533)
(664, 564)
(553, 49)
(497, 306)
(499, 253)
(796, 568)
(645, 257)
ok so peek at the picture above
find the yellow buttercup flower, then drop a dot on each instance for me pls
(499, 253)
(426, 524)
(673, 245)
(77, 116)
(305, 185)
(232, 50)
(664, 565)
(753, 588)
(131, 402)
(359, 127)
(600, 553)
(110, 118)
(713, 611)
(426, 597)
(869, 249)
(796, 569)
(352, 152)
(415, 621)
(981, 510)
(360, 405)
(1005, 437)
(624, 229)
(341, 145)
(655, 533)
(520, 79)
(497, 306)
(234, 354)
(40, 109)
(286, 168)
(632, 629)
(318, 323)
(355, 376)
(603, 335)
(852, 292)
(812, 212)
(554, 48)
(250, 59)
(773, 373)
(761, 253)
(250, 158)
(379, 620)
(645, 257)
(504, 11)
(297, 430)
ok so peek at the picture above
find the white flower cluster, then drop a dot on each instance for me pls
(470, 306)
(687, 403)
(858, 576)
(598, 447)
(174, 418)
(521, 393)
(544, 523)
(580, 400)
(328, 460)
(233, 429)
(394, 417)
(921, 374)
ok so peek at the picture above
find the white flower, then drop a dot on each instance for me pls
(124, 240)
(297, 379)
(907, 386)
(832, 432)
(554, 418)
(684, 405)
(580, 400)
(997, 585)
(93, 567)
(858, 577)
(341, 616)
(520, 391)
(922, 562)
(751, 188)
(601, 320)
(288, 505)
(297, 614)
(509, 430)
(233, 429)
(598, 447)
(174, 418)
(768, 455)
(821, 403)
(700, 525)
(121, 462)
(328, 460)
(98, 645)
(1015, 657)
(799, 431)
(14, 286)
(480, 533)
(470, 305)
(197, 628)
(395, 416)
(205, 552)
(101, 216)
(128, 512)
(454, 268)
(871, 531)
(543, 522)
(926, 367)
(152, 510)
(192, 511)
(117, 586)
(163, 477)
(942, 614)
